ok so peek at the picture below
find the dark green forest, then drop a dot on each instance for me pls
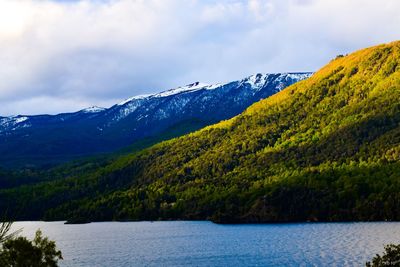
(324, 149)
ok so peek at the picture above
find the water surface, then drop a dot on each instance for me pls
(184, 243)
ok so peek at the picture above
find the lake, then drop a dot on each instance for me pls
(194, 243)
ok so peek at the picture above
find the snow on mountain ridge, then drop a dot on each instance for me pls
(256, 82)
(93, 109)
(13, 122)
(134, 98)
(20, 119)
(187, 88)
(298, 75)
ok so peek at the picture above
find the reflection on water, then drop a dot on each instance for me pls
(183, 243)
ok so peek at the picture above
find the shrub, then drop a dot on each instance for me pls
(391, 257)
(19, 251)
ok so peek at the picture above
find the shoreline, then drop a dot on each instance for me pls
(209, 221)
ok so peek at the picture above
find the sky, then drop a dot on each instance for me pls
(64, 55)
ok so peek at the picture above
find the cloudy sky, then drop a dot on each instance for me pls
(64, 55)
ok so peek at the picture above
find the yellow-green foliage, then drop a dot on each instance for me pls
(326, 148)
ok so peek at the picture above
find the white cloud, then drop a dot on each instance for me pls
(58, 56)
(261, 9)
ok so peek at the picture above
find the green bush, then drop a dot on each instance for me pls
(391, 257)
(21, 252)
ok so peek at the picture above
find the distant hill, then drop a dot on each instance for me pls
(324, 149)
(139, 121)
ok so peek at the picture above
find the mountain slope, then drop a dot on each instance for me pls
(44, 139)
(327, 148)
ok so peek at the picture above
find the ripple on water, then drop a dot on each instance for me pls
(206, 244)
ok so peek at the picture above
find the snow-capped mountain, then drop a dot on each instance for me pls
(45, 138)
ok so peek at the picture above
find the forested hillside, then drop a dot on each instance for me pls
(324, 149)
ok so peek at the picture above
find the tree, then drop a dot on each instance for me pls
(21, 252)
(5, 232)
(391, 257)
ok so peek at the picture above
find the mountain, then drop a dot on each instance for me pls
(138, 121)
(324, 149)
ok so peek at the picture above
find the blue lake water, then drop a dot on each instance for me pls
(187, 243)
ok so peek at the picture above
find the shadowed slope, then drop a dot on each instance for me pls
(326, 148)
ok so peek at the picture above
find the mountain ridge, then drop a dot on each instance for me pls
(97, 130)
